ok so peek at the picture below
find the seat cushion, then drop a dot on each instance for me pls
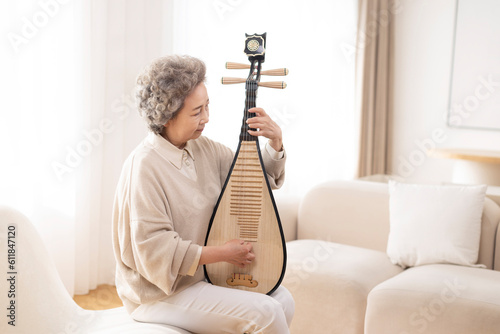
(118, 321)
(438, 298)
(332, 281)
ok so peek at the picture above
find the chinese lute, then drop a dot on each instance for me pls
(246, 209)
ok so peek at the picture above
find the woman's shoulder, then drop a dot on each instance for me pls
(208, 149)
(203, 143)
(142, 156)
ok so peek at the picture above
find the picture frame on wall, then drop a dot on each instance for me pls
(474, 100)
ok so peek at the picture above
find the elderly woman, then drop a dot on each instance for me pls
(167, 191)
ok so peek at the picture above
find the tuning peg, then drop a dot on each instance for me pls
(229, 81)
(236, 66)
(272, 84)
(275, 72)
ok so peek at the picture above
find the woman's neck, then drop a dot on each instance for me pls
(180, 146)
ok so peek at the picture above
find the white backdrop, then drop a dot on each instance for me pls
(314, 40)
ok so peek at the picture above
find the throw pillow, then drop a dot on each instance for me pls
(434, 223)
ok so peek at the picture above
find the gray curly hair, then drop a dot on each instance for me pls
(164, 85)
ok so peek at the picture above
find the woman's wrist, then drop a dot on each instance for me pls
(212, 254)
(276, 144)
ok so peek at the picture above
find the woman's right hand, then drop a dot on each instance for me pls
(238, 252)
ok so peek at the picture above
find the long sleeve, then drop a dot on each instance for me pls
(275, 167)
(160, 254)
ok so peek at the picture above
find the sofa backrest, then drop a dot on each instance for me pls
(349, 212)
(357, 213)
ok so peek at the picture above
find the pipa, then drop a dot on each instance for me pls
(246, 209)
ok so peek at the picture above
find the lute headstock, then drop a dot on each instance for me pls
(255, 49)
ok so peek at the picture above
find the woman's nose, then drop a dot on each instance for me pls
(205, 115)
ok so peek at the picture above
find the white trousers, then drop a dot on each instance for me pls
(205, 308)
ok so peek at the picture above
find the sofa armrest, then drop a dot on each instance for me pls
(496, 264)
(288, 207)
(489, 224)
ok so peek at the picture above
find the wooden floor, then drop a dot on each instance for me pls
(102, 298)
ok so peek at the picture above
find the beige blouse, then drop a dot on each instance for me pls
(162, 208)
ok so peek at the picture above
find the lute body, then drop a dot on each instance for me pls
(246, 209)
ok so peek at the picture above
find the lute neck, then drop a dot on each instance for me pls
(250, 102)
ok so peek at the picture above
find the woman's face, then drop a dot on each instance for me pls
(190, 120)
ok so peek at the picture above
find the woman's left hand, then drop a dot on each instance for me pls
(265, 127)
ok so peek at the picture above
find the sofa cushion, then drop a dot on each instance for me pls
(332, 281)
(434, 223)
(118, 321)
(438, 298)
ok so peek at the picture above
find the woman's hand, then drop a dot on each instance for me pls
(266, 127)
(238, 252)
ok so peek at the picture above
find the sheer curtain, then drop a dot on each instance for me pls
(69, 119)
(316, 110)
(38, 67)
(118, 39)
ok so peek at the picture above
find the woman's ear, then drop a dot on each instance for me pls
(164, 130)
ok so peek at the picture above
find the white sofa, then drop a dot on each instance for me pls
(343, 281)
(337, 271)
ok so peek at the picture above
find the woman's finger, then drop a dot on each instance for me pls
(257, 125)
(257, 110)
(256, 133)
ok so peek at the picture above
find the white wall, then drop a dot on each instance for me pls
(423, 45)
(315, 110)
